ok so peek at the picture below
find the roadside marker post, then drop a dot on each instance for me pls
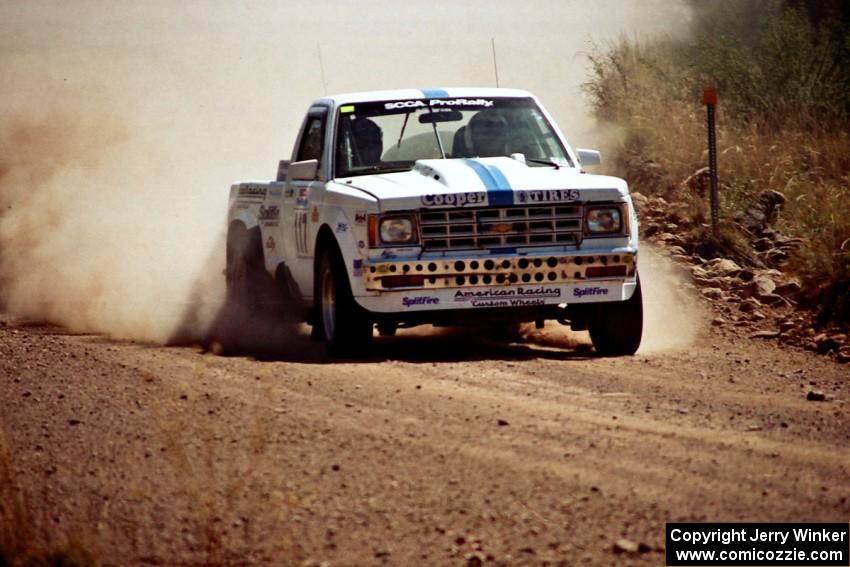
(709, 98)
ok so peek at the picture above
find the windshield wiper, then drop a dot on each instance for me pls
(403, 128)
(437, 135)
(554, 164)
(366, 170)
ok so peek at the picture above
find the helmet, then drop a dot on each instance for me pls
(488, 134)
(368, 141)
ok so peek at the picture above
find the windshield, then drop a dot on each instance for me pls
(373, 137)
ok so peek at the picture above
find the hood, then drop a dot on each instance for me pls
(482, 182)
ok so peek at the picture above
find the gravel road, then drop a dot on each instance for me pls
(440, 449)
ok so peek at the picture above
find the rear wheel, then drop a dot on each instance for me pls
(616, 328)
(243, 300)
(344, 326)
(244, 273)
(256, 304)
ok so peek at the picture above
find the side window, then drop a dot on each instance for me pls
(313, 140)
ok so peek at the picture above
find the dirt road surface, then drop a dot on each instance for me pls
(440, 449)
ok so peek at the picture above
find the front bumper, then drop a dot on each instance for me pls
(528, 281)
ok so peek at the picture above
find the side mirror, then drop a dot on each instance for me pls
(282, 170)
(589, 157)
(303, 170)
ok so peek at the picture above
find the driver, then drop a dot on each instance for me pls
(488, 134)
(368, 141)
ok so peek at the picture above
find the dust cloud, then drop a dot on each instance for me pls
(673, 315)
(124, 123)
(672, 312)
(95, 234)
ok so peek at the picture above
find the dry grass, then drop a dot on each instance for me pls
(654, 93)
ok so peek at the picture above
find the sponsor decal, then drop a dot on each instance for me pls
(420, 300)
(582, 291)
(360, 217)
(388, 254)
(341, 227)
(314, 214)
(357, 268)
(301, 199)
(508, 297)
(548, 196)
(269, 213)
(270, 243)
(455, 199)
(400, 104)
(482, 102)
(383, 269)
(519, 291)
(252, 190)
(275, 191)
(438, 103)
(508, 303)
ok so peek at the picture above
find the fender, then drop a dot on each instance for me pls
(246, 217)
(341, 224)
(345, 212)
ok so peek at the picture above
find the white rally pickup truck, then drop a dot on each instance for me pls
(440, 206)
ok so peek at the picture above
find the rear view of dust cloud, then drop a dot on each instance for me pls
(123, 125)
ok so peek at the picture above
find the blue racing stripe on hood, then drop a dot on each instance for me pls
(434, 93)
(499, 192)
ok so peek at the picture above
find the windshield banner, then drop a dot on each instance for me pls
(438, 103)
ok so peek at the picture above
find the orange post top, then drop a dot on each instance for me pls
(709, 96)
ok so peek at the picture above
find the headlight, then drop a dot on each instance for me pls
(397, 230)
(604, 220)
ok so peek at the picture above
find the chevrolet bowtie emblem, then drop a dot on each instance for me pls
(501, 228)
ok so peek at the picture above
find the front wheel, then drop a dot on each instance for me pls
(343, 324)
(616, 328)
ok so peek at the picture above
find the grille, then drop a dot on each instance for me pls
(501, 227)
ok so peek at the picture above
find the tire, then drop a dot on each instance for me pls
(342, 324)
(616, 328)
(256, 305)
(232, 332)
(244, 273)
